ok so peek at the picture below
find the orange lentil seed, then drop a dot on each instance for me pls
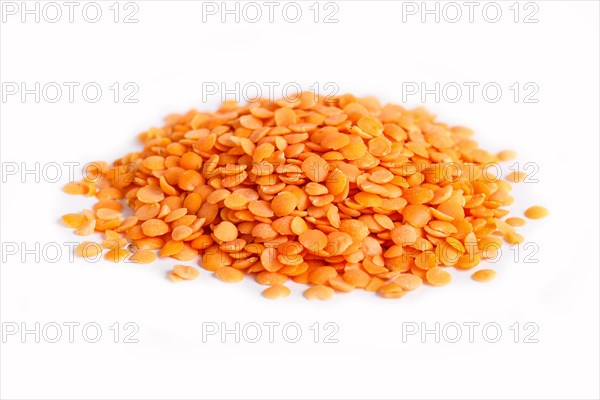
(484, 275)
(515, 221)
(186, 272)
(339, 284)
(143, 257)
(73, 220)
(116, 255)
(313, 240)
(319, 292)
(225, 231)
(229, 274)
(88, 249)
(154, 227)
(150, 194)
(438, 277)
(536, 212)
(276, 292)
(181, 232)
(408, 281)
(391, 291)
(271, 278)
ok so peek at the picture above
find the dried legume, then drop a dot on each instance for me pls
(319, 292)
(536, 212)
(484, 275)
(338, 193)
(185, 272)
(276, 292)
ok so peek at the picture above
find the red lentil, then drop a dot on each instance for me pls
(339, 193)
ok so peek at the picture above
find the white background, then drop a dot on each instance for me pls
(169, 54)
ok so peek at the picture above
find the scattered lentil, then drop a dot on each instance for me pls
(438, 277)
(229, 274)
(73, 220)
(536, 212)
(484, 275)
(319, 292)
(186, 272)
(391, 291)
(276, 292)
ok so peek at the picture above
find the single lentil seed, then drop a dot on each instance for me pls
(116, 255)
(229, 274)
(186, 272)
(225, 231)
(438, 277)
(143, 257)
(319, 292)
(484, 275)
(181, 232)
(73, 220)
(536, 212)
(391, 291)
(88, 249)
(408, 281)
(271, 278)
(276, 292)
(155, 227)
(515, 221)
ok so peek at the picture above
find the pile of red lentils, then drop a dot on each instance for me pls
(336, 193)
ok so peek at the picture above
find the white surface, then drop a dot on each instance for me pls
(169, 54)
